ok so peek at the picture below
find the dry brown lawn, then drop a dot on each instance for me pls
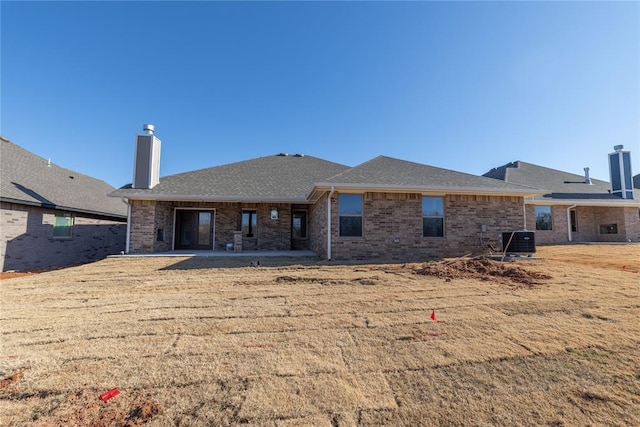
(207, 341)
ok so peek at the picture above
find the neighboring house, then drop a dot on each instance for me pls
(53, 217)
(576, 208)
(382, 209)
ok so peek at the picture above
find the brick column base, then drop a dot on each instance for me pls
(237, 241)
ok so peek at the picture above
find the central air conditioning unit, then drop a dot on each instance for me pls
(519, 242)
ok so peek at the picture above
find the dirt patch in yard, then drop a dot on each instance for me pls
(4, 275)
(84, 408)
(484, 269)
(11, 380)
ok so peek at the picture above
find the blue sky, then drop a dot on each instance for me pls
(460, 85)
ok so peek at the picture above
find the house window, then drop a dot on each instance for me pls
(249, 223)
(608, 228)
(574, 220)
(432, 217)
(62, 226)
(350, 212)
(543, 218)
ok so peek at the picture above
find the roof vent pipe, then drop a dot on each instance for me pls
(587, 180)
(148, 128)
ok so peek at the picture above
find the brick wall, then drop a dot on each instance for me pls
(274, 234)
(318, 227)
(149, 216)
(465, 216)
(28, 243)
(392, 227)
(164, 222)
(626, 219)
(587, 229)
(632, 224)
(558, 232)
(271, 234)
(589, 220)
(143, 226)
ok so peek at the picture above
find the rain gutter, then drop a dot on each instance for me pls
(126, 202)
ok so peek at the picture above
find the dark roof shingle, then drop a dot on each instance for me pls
(277, 177)
(558, 185)
(29, 179)
(389, 172)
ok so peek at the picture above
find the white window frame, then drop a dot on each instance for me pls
(361, 216)
(70, 226)
(432, 216)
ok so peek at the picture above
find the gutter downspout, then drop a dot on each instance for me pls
(329, 223)
(524, 211)
(126, 201)
(569, 222)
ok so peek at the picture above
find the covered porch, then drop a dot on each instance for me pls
(186, 228)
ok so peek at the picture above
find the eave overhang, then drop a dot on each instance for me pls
(209, 198)
(63, 208)
(435, 190)
(322, 187)
(621, 203)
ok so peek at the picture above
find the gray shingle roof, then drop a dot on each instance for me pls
(387, 172)
(27, 179)
(558, 185)
(636, 181)
(269, 178)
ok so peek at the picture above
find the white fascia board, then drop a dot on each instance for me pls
(427, 189)
(209, 198)
(623, 203)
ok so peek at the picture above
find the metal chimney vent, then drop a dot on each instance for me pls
(587, 180)
(149, 129)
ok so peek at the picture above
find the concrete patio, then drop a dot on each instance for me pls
(224, 254)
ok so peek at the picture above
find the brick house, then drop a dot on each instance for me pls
(53, 217)
(384, 208)
(576, 208)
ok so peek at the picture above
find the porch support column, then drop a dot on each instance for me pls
(329, 223)
(569, 235)
(237, 241)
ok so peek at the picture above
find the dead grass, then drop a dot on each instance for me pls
(325, 345)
